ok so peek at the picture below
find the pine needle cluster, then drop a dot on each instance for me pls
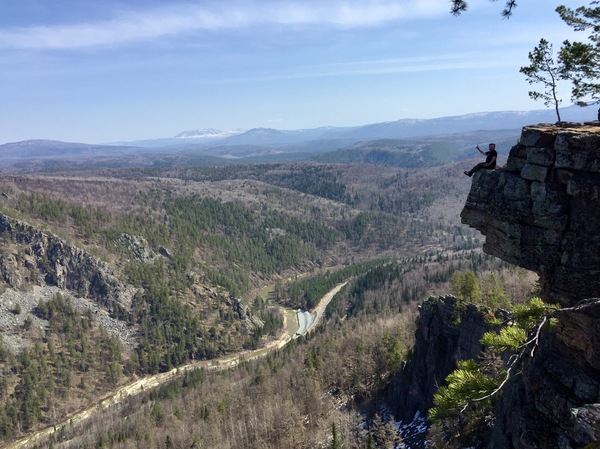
(463, 408)
(463, 384)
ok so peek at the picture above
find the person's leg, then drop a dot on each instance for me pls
(478, 167)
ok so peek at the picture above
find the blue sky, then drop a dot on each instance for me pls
(100, 71)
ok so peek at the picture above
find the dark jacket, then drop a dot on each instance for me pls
(491, 155)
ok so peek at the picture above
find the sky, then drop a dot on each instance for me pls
(101, 71)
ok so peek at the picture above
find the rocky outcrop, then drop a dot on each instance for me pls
(447, 331)
(553, 401)
(45, 259)
(244, 314)
(542, 210)
(136, 248)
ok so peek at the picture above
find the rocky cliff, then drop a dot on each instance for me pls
(542, 212)
(447, 331)
(554, 402)
(34, 257)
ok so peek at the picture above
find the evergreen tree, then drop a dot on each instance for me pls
(335, 443)
(581, 60)
(543, 70)
(385, 434)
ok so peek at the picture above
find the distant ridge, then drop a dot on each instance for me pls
(406, 142)
(207, 133)
(398, 129)
(40, 148)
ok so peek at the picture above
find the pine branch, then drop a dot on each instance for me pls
(515, 358)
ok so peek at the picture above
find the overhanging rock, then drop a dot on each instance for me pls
(542, 210)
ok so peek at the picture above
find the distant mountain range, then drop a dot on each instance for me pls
(399, 129)
(406, 142)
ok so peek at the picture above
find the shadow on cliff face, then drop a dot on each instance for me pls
(541, 212)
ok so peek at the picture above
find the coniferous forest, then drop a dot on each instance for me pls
(213, 259)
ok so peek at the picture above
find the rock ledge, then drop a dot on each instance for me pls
(542, 210)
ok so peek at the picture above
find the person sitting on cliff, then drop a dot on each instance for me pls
(490, 160)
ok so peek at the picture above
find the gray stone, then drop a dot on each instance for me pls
(562, 176)
(534, 172)
(515, 164)
(578, 151)
(584, 185)
(136, 247)
(548, 220)
(518, 151)
(536, 136)
(586, 422)
(541, 156)
(532, 219)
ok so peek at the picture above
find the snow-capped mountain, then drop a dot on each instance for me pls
(269, 142)
(207, 133)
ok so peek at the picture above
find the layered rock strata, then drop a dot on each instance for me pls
(542, 210)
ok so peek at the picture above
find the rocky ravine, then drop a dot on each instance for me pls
(542, 212)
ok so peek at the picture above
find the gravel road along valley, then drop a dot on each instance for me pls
(291, 330)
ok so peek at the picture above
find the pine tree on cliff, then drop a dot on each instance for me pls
(543, 70)
(578, 62)
(581, 60)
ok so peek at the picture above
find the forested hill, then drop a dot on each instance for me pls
(421, 152)
(406, 152)
(112, 275)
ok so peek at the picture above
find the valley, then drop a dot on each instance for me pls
(268, 225)
(192, 247)
(113, 399)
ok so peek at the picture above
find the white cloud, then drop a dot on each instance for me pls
(183, 19)
(417, 64)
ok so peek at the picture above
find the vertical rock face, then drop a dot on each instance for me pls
(447, 332)
(555, 400)
(542, 210)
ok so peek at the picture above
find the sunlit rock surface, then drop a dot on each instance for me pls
(542, 210)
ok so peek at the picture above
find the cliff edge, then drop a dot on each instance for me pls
(542, 212)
